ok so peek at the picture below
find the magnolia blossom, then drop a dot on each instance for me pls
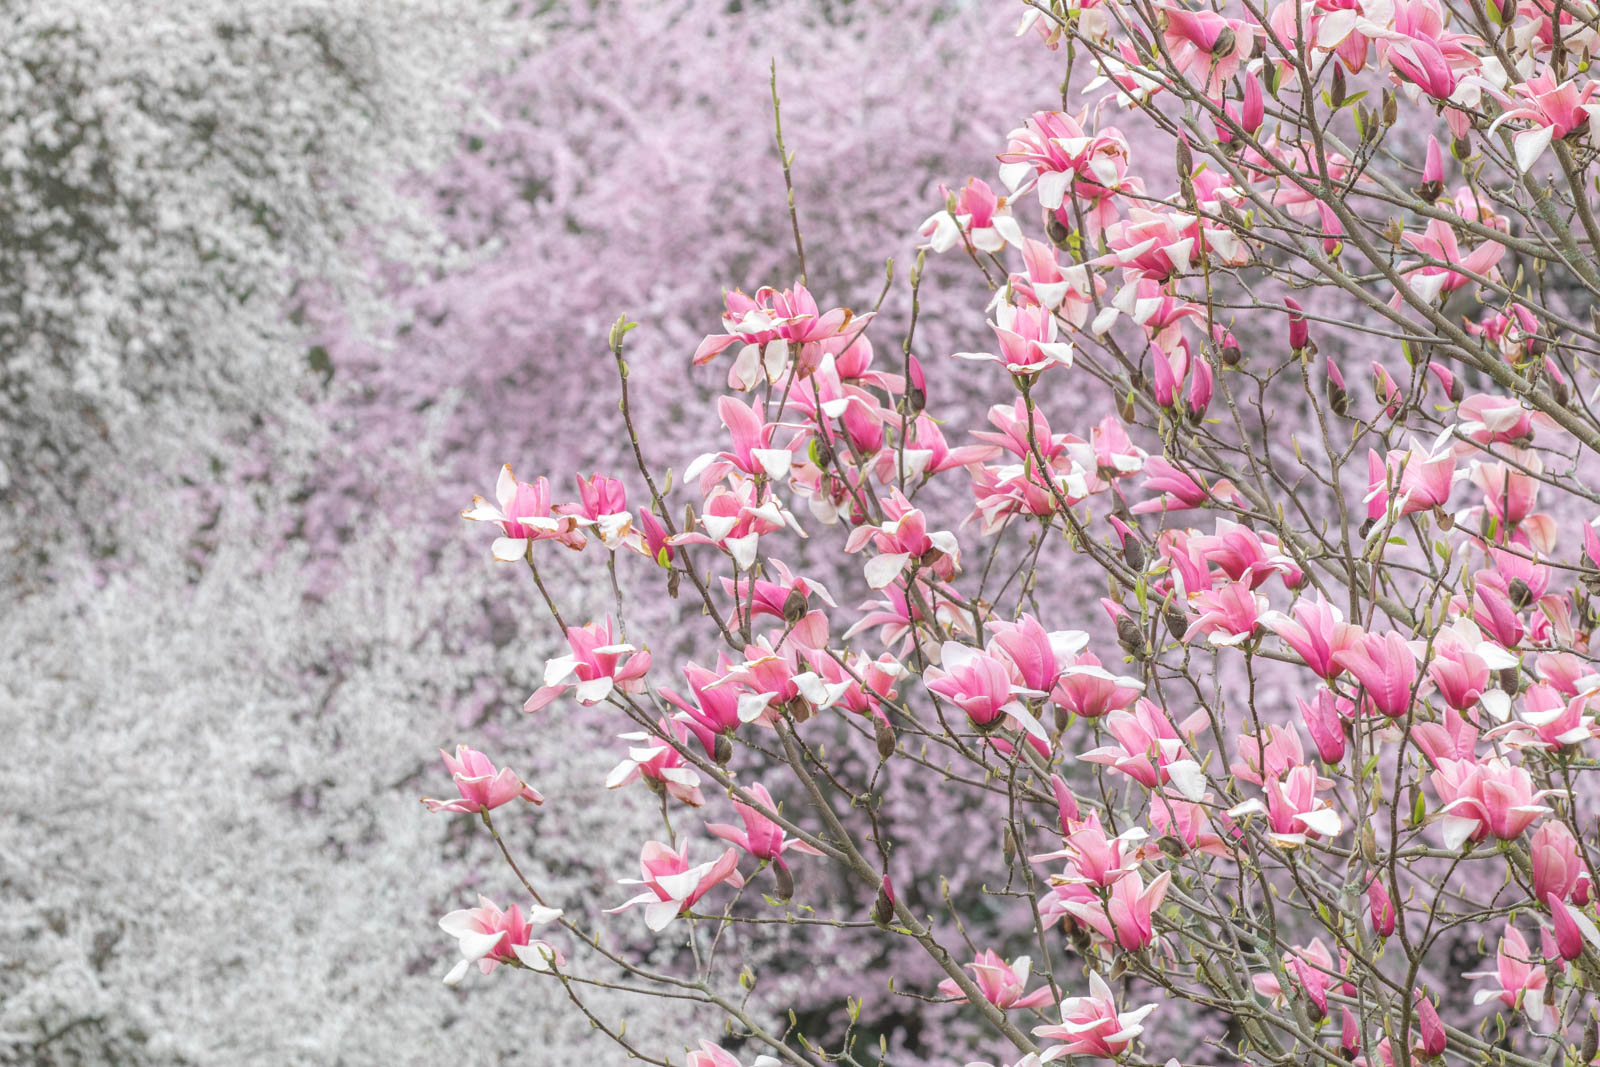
(1028, 343)
(1001, 983)
(977, 213)
(1126, 916)
(904, 537)
(980, 684)
(489, 937)
(711, 1054)
(760, 837)
(658, 763)
(482, 787)
(672, 885)
(1520, 975)
(597, 665)
(1483, 797)
(1553, 110)
(1092, 1025)
(523, 513)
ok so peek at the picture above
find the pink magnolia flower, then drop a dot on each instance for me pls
(1206, 47)
(1269, 756)
(482, 787)
(1325, 717)
(1160, 244)
(761, 837)
(1311, 967)
(1418, 479)
(1149, 750)
(767, 324)
(597, 665)
(1037, 656)
(1430, 1028)
(1179, 490)
(713, 712)
(904, 537)
(672, 886)
(1386, 669)
(1555, 111)
(1380, 908)
(1316, 632)
(752, 455)
(1573, 929)
(1549, 719)
(489, 937)
(1092, 1026)
(523, 515)
(1092, 857)
(602, 512)
(927, 452)
(1485, 797)
(785, 595)
(1001, 983)
(1520, 975)
(1028, 341)
(978, 213)
(980, 684)
(734, 520)
(1227, 616)
(712, 1055)
(1295, 813)
(1558, 867)
(1054, 155)
(1438, 243)
(659, 764)
(1454, 738)
(1064, 290)
(1460, 664)
(1244, 555)
(1088, 689)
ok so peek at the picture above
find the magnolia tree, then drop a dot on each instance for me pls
(1320, 769)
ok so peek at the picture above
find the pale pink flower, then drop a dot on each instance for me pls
(1092, 1025)
(1037, 656)
(1553, 110)
(1520, 975)
(901, 539)
(481, 785)
(1438, 243)
(1149, 750)
(489, 937)
(711, 1054)
(524, 516)
(672, 885)
(979, 214)
(655, 760)
(1028, 339)
(753, 454)
(1558, 867)
(1092, 857)
(1316, 632)
(602, 512)
(1206, 47)
(734, 520)
(1386, 669)
(1001, 983)
(1227, 616)
(1294, 810)
(1485, 797)
(1325, 717)
(597, 665)
(1088, 689)
(760, 837)
(980, 684)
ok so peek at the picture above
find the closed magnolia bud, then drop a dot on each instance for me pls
(794, 606)
(1185, 160)
(1231, 353)
(1177, 620)
(1559, 391)
(1369, 844)
(1225, 43)
(723, 747)
(883, 906)
(1591, 1041)
(1510, 680)
(1125, 408)
(1338, 399)
(1461, 147)
(916, 399)
(1057, 231)
(821, 451)
(1130, 637)
(1336, 91)
(1391, 108)
(785, 880)
(1133, 554)
(1521, 595)
(885, 739)
(1008, 845)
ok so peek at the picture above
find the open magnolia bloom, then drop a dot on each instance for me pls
(489, 937)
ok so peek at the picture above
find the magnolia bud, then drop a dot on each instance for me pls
(1510, 680)
(1391, 107)
(1369, 844)
(1230, 352)
(785, 880)
(1177, 620)
(1125, 408)
(883, 906)
(1591, 1041)
(723, 749)
(1337, 90)
(885, 739)
(1130, 637)
(1057, 231)
(794, 606)
(1521, 595)
(1338, 399)
(1133, 554)
(1225, 43)
(1559, 391)
(916, 399)
(1008, 845)
(821, 451)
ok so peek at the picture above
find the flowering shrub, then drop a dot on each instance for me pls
(1413, 565)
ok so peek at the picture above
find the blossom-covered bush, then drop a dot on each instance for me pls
(1316, 768)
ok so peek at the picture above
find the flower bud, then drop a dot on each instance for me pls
(794, 606)
(785, 880)
(883, 904)
(1130, 637)
(885, 739)
(1591, 1041)
(722, 749)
